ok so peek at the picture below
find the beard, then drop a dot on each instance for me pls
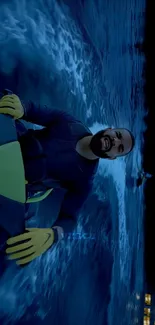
(96, 144)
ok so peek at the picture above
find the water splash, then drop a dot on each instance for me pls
(114, 168)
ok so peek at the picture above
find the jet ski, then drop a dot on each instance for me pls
(14, 201)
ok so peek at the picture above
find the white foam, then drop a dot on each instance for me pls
(45, 36)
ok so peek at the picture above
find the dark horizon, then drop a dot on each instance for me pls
(148, 47)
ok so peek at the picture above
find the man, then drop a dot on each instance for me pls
(65, 154)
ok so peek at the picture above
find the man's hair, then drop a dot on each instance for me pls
(133, 140)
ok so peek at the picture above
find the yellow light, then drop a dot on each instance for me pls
(147, 299)
(146, 320)
(147, 311)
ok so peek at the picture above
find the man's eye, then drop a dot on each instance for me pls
(118, 134)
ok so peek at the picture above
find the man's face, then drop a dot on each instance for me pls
(111, 143)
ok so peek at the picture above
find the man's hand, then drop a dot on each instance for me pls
(11, 105)
(28, 246)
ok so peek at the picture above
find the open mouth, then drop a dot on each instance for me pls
(106, 143)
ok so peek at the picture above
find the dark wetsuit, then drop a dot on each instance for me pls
(59, 159)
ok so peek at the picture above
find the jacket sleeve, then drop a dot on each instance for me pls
(71, 206)
(43, 115)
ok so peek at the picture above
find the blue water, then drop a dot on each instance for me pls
(79, 56)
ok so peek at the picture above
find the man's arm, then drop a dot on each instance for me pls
(43, 115)
(37, 114)
(43, 239)
(71, 206)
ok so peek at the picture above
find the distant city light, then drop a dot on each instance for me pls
(147, 310)
(148, 299)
